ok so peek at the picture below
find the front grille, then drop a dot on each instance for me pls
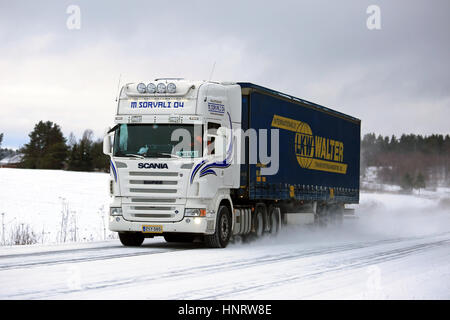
(149, 200)
(153, 190)
(158, 182)
(153, 174)
(153, 215)
(153, 196)
(153, 208)
(153, 182)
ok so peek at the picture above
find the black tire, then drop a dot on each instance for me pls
(274, 221)
(222, 235)
(131, 239)
(322, 215)
(179, 237)
(330, 215)
(258, 225)
(337, 214)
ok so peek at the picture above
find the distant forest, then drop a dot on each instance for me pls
(5, 152)
(49, 149)
(411, 161)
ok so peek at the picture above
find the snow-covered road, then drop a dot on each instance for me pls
(397, 248)
(390, 268)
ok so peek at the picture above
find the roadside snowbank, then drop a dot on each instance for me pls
(36, 197)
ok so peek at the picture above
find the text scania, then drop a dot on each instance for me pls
(157, 104)
(153, 166)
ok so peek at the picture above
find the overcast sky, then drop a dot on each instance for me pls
(396, 79)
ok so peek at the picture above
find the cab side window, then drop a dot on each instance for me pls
(212, 129)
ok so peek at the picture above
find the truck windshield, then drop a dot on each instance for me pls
(158, 140)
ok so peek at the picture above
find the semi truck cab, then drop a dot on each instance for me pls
(173, 160)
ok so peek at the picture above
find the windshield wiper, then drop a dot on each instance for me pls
(150, 155)
(134, 155)
(171, 155)
(159, 154)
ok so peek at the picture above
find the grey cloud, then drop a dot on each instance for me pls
(317, 50)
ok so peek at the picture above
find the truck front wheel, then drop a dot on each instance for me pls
(131, 239)
(221, 237)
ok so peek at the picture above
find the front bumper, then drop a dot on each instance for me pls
(201, 225)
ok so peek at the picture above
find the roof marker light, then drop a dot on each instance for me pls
(151, 88)
(161, 88)
(171, 87)
(141, 87)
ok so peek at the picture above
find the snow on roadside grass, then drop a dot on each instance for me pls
(36, 197)
(379, 216)
(403, 215)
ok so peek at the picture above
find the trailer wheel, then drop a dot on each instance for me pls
(258, 222)
(131, 239)
(337, 213)
(274, 221)
(322, 215)
(221, 237)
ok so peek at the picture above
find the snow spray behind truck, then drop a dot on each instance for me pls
(211, 160)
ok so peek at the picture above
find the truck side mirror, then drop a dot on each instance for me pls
(107, 143)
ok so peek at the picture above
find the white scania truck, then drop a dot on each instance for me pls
(180, 167)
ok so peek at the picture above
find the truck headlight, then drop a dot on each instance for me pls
(195, 212)
(115, 211)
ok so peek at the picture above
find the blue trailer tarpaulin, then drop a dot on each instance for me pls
(319, 148)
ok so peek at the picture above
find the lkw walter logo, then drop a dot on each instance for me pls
(312, 151)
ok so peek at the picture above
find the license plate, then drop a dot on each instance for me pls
(152, 229)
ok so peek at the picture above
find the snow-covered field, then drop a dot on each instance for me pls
(398, 247)
(38, 197)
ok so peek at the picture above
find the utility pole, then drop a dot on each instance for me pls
(3, 228)
(75, 228)
(44, 233)
(104, 227)
(102, 213)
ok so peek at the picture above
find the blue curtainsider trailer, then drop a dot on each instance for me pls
(319, 153)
